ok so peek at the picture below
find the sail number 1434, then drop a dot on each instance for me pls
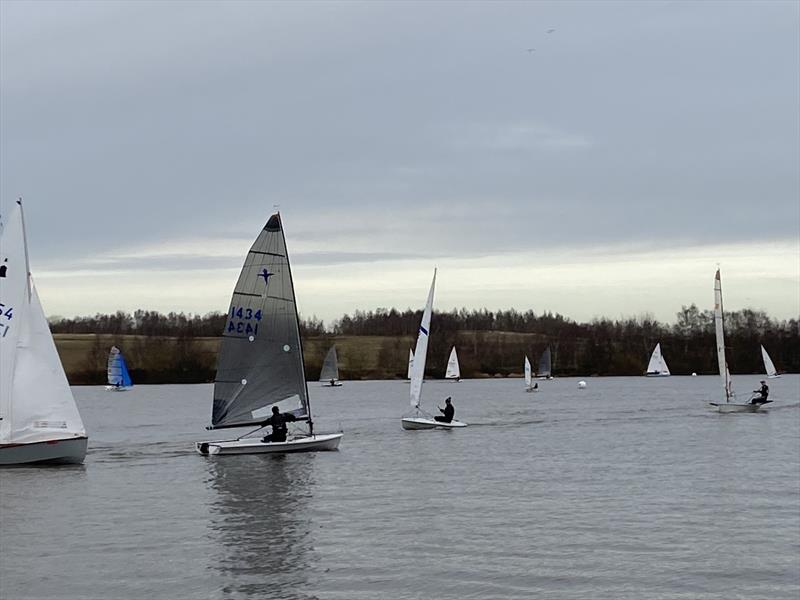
(239, 317)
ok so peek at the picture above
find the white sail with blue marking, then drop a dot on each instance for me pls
(117, 369)
(421, 351)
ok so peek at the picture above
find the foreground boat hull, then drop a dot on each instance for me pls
(730, 407)
(314, 443)
(415, 423)
(51, 452)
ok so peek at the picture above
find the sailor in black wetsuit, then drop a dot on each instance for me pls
(763, 394)
(278, 423)
(448, 412)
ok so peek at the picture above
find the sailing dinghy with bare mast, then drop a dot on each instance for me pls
(420, 419)
(730, 405)
(39, 420)
(260, 362)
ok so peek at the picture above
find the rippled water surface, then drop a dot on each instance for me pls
(628, 489)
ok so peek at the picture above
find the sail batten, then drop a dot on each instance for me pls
(260, 362)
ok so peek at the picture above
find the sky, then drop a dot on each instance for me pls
(586, 158)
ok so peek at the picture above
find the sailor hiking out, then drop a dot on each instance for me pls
(763, 393)
(448, 412)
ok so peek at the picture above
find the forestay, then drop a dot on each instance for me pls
(330, 366)
(36, 403)
(260, 362)
(421, 351)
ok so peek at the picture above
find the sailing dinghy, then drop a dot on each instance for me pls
(329, 375)
(260, 362)
(39, 420)
(410, 364)
(769, 366)
(453, 370)
(420, 419)
(119, 380)
(529, 387)
(730, 405)
(545, 365)
(657, 367)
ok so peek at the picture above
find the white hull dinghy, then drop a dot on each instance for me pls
(730, 405)
(657, 367)
(260, 362)
(419, 419)
(119, 379)
(39, 420)
(329, 375)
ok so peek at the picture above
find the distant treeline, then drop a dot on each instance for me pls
(490, 343)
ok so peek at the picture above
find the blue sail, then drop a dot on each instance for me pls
(126, 377)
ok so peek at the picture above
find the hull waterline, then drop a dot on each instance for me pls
(417, 423)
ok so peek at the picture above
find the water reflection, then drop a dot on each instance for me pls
(261, 522)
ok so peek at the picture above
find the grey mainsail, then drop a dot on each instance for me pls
(330, 366)
(260, 362)
(544, 364)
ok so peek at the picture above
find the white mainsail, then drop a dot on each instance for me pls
(410, 363)
(720, 333)
(330, 366)
(36, 403)
(657, 364)
(528, 372)
(769, 366)
(453, 370)
(421, 351)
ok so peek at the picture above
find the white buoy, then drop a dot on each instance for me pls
(694, 374)
(581, 385)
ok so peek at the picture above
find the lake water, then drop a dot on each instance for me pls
(627, 489)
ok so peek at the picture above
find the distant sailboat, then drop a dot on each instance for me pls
(421, 419)
(453, 370)
(330, 369)
(39, 420)
(119, 380)
(657, 367)
(769, 366)
(529, 385)
(260, 362)
(545, 365)
(410, 363)
(724, 373)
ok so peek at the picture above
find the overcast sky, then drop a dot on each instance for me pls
(606, 172)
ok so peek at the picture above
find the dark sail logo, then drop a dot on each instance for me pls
(266, 275)
(3, 268)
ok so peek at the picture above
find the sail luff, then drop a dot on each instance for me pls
(421, 350)
(719, 328)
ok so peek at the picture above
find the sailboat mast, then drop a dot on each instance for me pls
(25, 244)
(297, 324)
